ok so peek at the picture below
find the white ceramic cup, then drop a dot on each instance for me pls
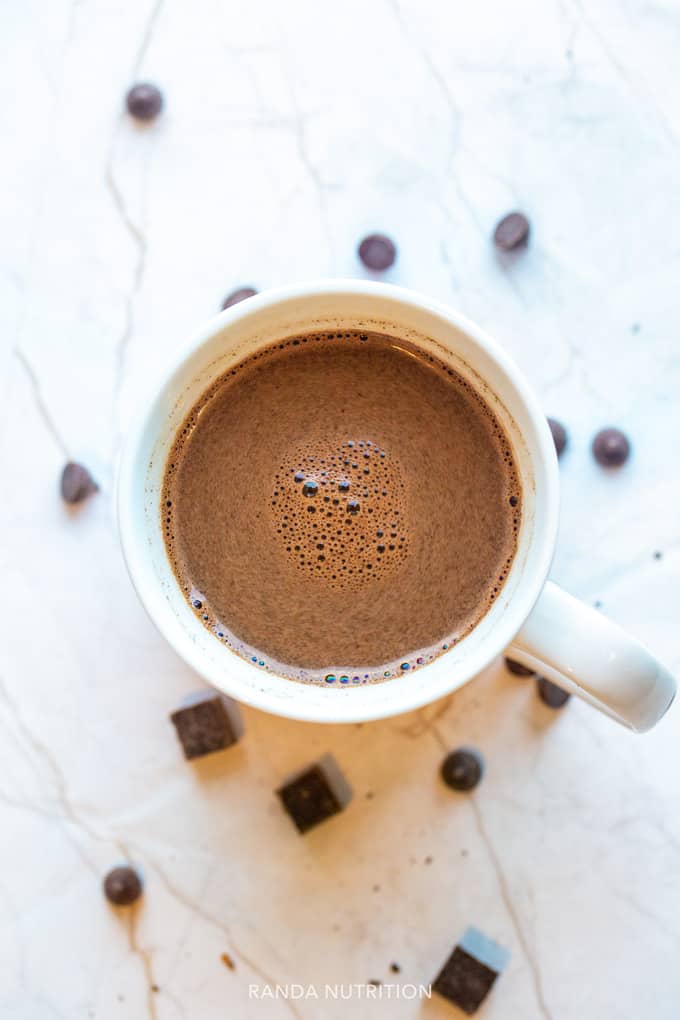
(533, 619)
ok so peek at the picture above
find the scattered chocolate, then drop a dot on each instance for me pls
(611, 448)
(374, 982)
(517, 668)
(559, 434)
(550, 694)
(511, 231)
(315, 794)
(238, 295)
(395, 968)
(122, 886)
(377, 252)
(76, 483)
(227, 961)
(462, 769)
(155, 988)
(144, 101)
(470, 971)
(206, 722)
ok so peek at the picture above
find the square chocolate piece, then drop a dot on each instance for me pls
(207, 722)
(470, 971)
(315, 794)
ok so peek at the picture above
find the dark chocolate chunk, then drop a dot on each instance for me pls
(315, 794)
(238, 295)
(122, 886)
(395, 968)
(462, 769)
(377, 252)
(549, 693)
(144, 101)
(207, 722)
(559, 434)
(517, 668)
(76, 483)
(511, 231)
(611, 448)
(469, 973)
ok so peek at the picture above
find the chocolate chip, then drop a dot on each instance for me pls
(550, 694)
(511, 231)
(470, 971)
(462, 769)
(144, 101)
(238, 295)
(122, 886)
(517, 668)
(315, 794)
(395, 968)
(559, 434)
(207, 722)
(76, 483)
(611, 448)
(377, 252)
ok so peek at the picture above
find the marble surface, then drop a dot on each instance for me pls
(289, 132)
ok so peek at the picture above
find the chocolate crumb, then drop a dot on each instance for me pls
(227, 961)
(395, 968)
(374, 982)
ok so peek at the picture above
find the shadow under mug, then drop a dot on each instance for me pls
(542, 626)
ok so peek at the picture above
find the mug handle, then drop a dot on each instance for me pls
(586, 654)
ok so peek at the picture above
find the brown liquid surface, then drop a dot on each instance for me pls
(341, 504)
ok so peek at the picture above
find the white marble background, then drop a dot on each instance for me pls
(290, 131)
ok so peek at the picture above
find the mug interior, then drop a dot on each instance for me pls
(336, 305)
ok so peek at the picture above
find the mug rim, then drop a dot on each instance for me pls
(523, 599)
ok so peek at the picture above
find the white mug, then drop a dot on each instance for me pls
(541, 626)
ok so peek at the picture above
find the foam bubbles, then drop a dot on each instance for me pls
(358, 491)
